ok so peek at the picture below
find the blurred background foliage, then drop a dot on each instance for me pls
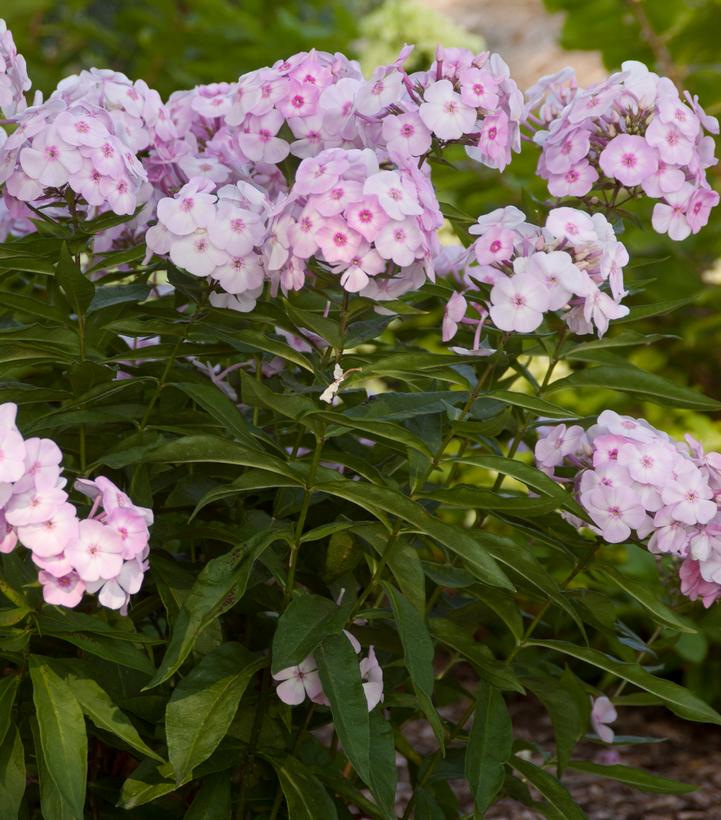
(176, 44)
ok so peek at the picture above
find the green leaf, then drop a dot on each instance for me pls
(553, 790)
(382, 429)
(519, 559)
(648, 598)
(530, 476)
(418, 654)
(99, 707)
(213, 801)
(489, 746)
(107, 647)
(400, 406)
(63, 741)
(495, 672)
(12, 775)
(221, 584)
(8, 690)
(477, 498)
(324, 530)
(76, 286)
(384, 772)
(250, 480)
(307, 620)
(216, 450)
(678, 699)
(628, 379)
(638, 778)
(291, 405)
(569, 716)
(305, 797)
(144, 784)
(655, 309)
(220, 407)
(454, 538)
(341, 679)
(539, 406)
(204, 703)
(58, 620)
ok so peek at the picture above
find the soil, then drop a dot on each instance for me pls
(689, 753)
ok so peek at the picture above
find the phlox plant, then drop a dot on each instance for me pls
(285, 475)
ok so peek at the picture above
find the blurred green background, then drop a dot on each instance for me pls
(175, 44)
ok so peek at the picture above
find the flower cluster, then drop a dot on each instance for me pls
(14, 80)
(574, 264)
(374, 228)
(103, 553)
(215, 236)
(634, 480)
(633, 132)
(57, 144)
(230, 132)
(298, 682)
(463, 98)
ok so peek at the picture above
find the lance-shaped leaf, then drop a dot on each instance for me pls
(97, 704)
(418, 654)
(306, 621)
(489, 745)
(12, 774)
(204, 703)
(553, 790)
(341, 679)
(638, 778)
(454, 538)
(221, 584)
(678, 699)
(63, 740)
(305, 796)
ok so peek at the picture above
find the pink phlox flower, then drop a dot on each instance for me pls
(453, 314)
(34, 506)
(13, 449)
(629, 159)
(693, 585)
(571, 224)
(615, 512)
(406, 134)
(66, 590)
(97, 553)
(400, 241)
(445, 113)
(578, 180)
(479, 88)
(395, 195)
(365, 264)
(297, 682)
(560, 441)
(51, 536)
(115, 593)
(689, 496)
(518, 303)
(670, 216)
(495, 245)
(672, 145)
(603, 712)
(372, 677)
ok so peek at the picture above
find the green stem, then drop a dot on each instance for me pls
(255, 730)
(641, 655)
(577, 569)
(300, 524)
(450, 736)
(393, 538)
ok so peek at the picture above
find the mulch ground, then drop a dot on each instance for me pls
(691, 753)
